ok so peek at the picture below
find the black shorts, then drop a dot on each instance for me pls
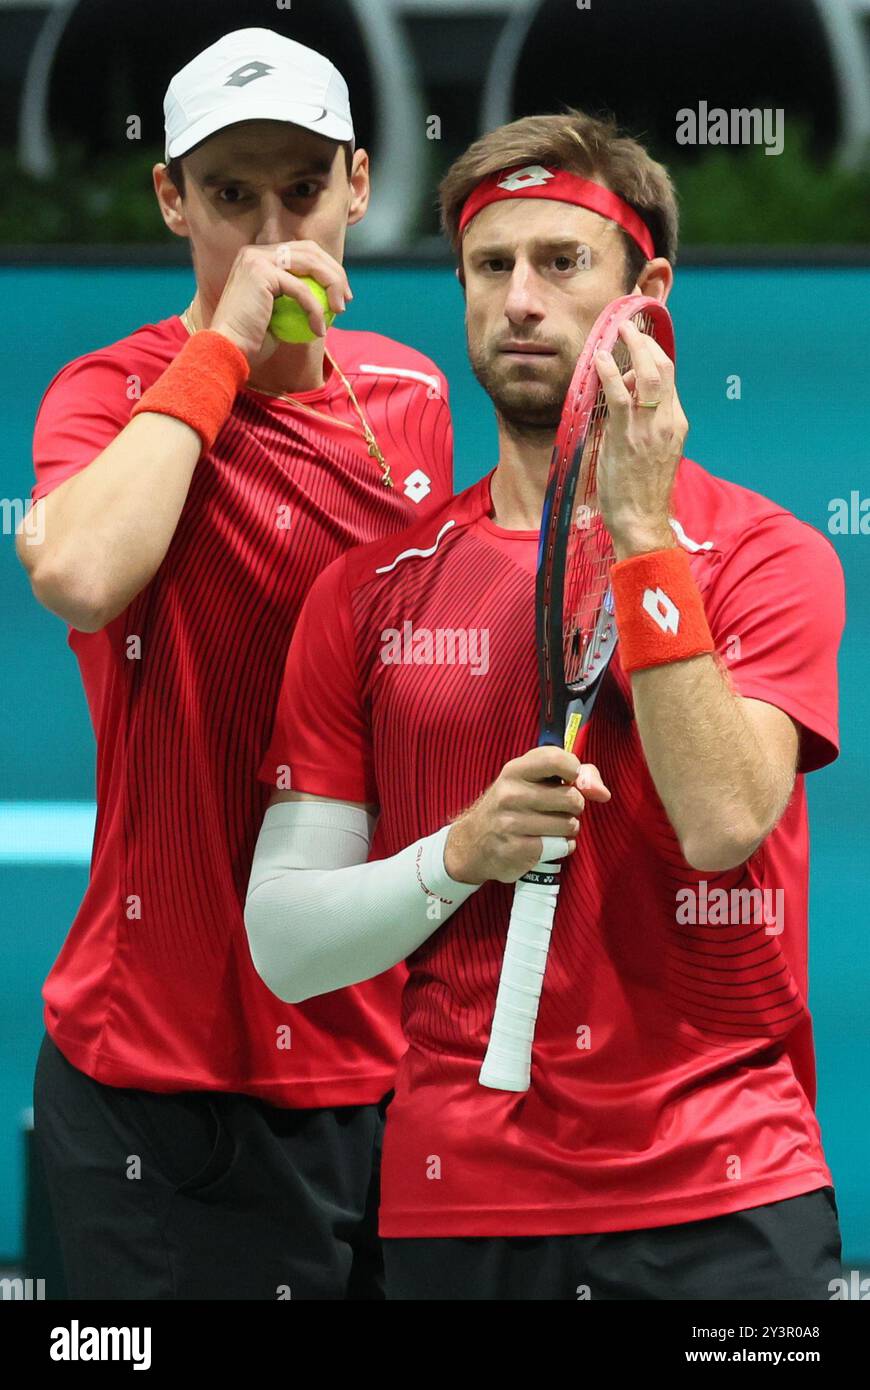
(207, 1195)
(785, 1250)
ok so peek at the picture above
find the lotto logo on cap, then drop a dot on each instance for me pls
(255, 75)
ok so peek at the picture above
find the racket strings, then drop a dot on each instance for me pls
(587, 620)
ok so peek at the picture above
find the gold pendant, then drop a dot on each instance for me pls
(375, 453)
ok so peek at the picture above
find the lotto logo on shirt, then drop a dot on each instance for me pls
(417, 485)
(440, 646)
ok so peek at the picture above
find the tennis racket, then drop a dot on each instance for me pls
(576, 637)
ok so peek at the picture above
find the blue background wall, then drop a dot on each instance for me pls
(799, 433)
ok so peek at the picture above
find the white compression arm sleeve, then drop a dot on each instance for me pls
(319, 917)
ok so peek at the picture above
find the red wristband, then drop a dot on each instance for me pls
(199, 385)
(659, 612)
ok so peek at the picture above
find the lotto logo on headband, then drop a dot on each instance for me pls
(533, 176)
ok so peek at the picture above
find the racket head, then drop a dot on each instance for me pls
(576, 629)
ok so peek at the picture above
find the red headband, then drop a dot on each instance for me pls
(537, 181)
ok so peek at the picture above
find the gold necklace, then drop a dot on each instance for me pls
(367, 431)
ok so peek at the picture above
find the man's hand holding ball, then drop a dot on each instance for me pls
(263, 303)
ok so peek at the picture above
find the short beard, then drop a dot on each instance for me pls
(523, 418)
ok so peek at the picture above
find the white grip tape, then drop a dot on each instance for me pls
(553, 847)
(508, 1060)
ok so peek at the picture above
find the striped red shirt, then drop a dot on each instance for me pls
(154, 986)
(673, 1075)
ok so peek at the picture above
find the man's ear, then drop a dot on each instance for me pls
(169, 201)
(360, 187)
(656, 279)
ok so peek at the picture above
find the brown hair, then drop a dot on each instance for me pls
(175, 168)
(587, 145)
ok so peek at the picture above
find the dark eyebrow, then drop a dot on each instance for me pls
(218, 176)
(547, 244)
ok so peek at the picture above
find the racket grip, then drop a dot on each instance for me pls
(508, 1061)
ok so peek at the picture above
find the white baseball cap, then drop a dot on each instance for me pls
(255, 75)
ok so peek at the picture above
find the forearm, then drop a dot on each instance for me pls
(106, 530)
(320, 918)
(720, 789)
(722, 765)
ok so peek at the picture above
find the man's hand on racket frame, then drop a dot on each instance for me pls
(501, 835)
(643, 445)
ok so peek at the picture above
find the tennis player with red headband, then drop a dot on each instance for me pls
(668, 1146)
(183, 529)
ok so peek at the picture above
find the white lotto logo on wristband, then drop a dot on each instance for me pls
(663, 611)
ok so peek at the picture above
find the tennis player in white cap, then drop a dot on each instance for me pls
(201, 1138)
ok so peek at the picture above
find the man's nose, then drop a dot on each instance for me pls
(276, 222)
(523, 298)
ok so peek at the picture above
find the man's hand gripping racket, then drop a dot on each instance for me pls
(576, 638)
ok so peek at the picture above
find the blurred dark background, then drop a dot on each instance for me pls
(426, 76)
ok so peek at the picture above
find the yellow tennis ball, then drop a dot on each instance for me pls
(289, 321)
